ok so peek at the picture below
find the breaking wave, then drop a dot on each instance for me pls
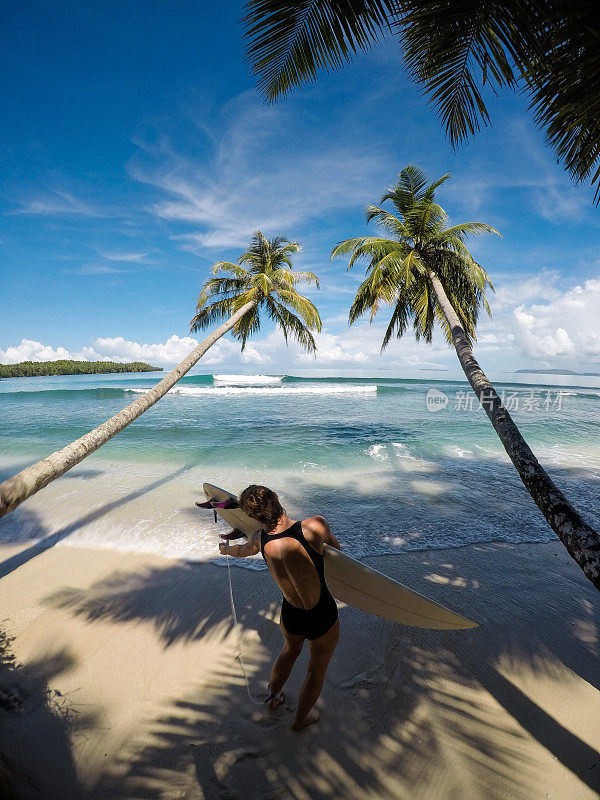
(215, 391)
(247, 379)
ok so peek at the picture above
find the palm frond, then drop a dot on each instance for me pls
(471, 228)
(211, 314)
(389, 222)
(381, 287)
(307, 310)
(454, 49)
(287, 276)
(423, 312)
(430, 192)
(294, 326)
(443, 41)
(367, 298)
(215, 287)
(288, 42)
(409, 187)
(398, 323)
(227, 266)
(247, 326)
(372, 247)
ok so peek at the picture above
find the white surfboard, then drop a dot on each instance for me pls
(354, 583)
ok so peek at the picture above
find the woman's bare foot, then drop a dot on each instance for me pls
(274, 701)
(314, 715)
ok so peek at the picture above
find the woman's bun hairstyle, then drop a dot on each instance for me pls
(262, 504)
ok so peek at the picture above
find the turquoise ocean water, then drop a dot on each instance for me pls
(389, 473)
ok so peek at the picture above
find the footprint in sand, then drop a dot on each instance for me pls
(267, 718)
(226, 760)
(362, 679)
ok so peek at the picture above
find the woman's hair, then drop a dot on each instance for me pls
(262, 504)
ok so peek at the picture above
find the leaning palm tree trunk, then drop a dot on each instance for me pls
(581, 540)
(30, 480)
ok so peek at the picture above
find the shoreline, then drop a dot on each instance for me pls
(152, 702)
(404, 504)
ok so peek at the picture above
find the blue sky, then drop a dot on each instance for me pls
(136, 152)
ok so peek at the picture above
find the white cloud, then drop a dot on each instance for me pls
(31, 350)
(95, 269)
(175, 349)
(121, 350)
(566, 329)
(252, 183)
(360, 347)
(334, 350)
(531, 179)
(58, 203)
(558, 202)
(128, 257)
(524, 289)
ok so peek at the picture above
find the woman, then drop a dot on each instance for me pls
(293, 551)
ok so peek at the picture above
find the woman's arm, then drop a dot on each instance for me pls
(320, 526)
(251, 548)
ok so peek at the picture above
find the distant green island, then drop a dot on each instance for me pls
(558, 372)
(31, 369)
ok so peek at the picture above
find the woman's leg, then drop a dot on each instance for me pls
(321, 650)
(284, 662)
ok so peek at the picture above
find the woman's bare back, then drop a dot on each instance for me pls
(291, 566)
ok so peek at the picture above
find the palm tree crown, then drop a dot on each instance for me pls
(400, 267)
(263, 275)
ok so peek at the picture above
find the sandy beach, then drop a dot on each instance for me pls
(130, 687)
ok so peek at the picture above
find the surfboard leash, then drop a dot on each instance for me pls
(237, 653)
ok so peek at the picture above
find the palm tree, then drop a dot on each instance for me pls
(547, 48)
(269, 283)
(426, 274)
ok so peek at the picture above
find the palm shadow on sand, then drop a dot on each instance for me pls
(396, 698)
(37, 734)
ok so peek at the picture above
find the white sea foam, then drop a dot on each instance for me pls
(310, 466)
(456, 451)
(401, 451)
(487, 452)
(378, 452)
(248, 379)
(216, 391)
(399, 455)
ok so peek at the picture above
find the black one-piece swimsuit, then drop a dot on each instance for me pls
(308, 622)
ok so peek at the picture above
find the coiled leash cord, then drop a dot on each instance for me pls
(237, 653)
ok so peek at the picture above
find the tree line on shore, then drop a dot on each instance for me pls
(32, 369)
